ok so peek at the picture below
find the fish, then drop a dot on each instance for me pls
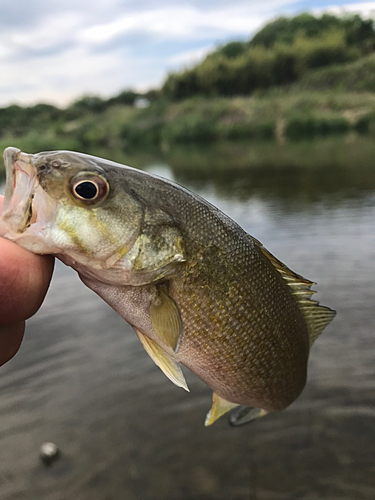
(198, 290)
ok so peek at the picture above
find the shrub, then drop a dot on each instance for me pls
(141, 134)
(305, 127)
(193, 128)
(364, 124)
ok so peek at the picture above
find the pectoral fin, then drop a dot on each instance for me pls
(166, 320)
(218, 408)
(168, 366)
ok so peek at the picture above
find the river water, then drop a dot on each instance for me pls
(82, 379)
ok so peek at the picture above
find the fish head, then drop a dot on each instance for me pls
(68, 204)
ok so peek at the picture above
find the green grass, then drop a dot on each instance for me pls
(358, 76)
(271, 119)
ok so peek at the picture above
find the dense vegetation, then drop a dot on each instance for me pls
(296, 79)
(281, 116)
(283, 52)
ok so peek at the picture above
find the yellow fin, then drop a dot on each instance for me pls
(168, 366)
(166, 320)
(317, 317)
(218, 408)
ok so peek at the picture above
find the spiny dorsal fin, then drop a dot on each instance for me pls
(317, 317)
(169, 366)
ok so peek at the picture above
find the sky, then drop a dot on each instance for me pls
(56, 51)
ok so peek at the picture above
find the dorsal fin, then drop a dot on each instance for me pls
(317, 317)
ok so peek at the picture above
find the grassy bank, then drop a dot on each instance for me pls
(358, 76)
(278, 116)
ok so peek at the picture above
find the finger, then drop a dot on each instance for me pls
(10, 340)
(24, 280)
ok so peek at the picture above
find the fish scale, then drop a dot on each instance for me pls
(235, 337)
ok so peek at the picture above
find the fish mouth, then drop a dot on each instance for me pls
(18, 212)
(28, 212)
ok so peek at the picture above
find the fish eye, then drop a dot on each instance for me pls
(86, 190)
(90, 190)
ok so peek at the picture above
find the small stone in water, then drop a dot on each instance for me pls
(49, 452)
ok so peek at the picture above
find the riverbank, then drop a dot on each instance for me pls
(275, 119)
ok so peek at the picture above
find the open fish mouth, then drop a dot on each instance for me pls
(18, 212)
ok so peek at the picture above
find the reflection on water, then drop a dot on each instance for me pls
(291, 175)
(83, 381)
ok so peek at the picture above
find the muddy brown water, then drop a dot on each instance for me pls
(83, 381)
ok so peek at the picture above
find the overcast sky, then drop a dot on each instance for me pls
(57, 50)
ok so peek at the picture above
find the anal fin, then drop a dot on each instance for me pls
(218, 408)
(168, 366)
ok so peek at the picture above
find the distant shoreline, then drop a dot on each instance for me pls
(277, 117)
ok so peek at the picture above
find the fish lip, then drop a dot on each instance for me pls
(9, 154)
(21, 182)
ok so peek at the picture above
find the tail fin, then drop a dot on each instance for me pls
(243, 415)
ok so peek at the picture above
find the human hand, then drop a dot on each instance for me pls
(24, 281)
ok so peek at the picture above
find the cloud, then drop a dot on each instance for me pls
(181, 22)
(189, 57)
(48, 35)
(57, 50)
(75, 72)
(363, 8)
